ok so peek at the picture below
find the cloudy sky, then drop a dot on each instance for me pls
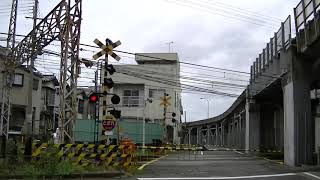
(227, 34)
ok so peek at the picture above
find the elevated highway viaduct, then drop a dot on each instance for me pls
(279, 110)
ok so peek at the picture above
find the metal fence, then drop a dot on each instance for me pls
(280, 41)
(305, 11)
(307, 22)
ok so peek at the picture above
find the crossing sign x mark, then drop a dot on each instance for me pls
(106, 49)
(165, 101)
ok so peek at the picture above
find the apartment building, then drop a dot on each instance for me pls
(140, 88)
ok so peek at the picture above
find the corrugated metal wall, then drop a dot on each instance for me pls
(84, 131)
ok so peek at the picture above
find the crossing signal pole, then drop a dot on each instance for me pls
(165, 103)
(107, 83)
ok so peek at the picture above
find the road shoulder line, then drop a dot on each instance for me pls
(312, 175)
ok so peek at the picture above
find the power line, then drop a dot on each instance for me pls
(181, 62)
(232, 7)
(211, 11)
(229, 11)
(150, 78)
(181, 77)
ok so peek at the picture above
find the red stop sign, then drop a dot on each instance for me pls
(108, 124)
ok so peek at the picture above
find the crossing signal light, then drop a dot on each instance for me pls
(93, 98)
(110, 69)
(116, 113)
(115, 99)
(108, 82)
(173, 119)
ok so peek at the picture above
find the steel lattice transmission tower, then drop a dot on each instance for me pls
(62, 23)
(8, 69)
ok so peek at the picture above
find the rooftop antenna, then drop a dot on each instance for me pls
(169, 44)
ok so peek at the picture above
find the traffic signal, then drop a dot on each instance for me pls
(94, 97)
(173, 119)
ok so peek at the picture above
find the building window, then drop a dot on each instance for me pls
(35, 84)
(130, 98)
(80, 106)
(156, 93)
(18, 80)
(50, 98)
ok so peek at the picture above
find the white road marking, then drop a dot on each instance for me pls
(150, 162)
(312, 175)
(239, 152)
(213, 178)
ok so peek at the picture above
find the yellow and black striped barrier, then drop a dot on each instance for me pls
(86, 154)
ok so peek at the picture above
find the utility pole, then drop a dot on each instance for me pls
(144, 122)
(29, 114)
(144, 126)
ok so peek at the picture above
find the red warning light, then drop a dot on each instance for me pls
(93, 98)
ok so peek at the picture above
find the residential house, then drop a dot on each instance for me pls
(19, 101)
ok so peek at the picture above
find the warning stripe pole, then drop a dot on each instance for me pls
(104, 86)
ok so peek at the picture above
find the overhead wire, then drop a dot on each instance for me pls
(181, 62)
(200, 80)
(211, 11)
(159, 80)
(236, 8)
(196, 79)
(183, 89)
(228, 11)
(183, 78)
(180, 76)
(185, 83)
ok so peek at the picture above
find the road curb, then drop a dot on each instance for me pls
(70, 176)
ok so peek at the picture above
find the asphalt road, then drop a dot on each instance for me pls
(219, 165)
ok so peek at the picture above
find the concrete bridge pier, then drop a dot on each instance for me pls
(252, 135)
(298, 128)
